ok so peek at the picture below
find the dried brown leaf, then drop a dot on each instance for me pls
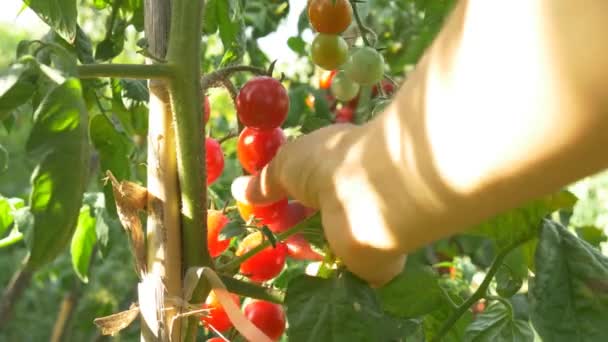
(110, 325)
(130, 199)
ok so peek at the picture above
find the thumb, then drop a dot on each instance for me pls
(261, 189)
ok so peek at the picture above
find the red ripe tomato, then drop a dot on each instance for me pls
(292, 214)
(387, 86)
(216, 316)
(215, 222)
(216, 339)
(214, 159)
(266, 214)
(268, 317)
(299, 248)
(256, 148)
(266, 264)
(262, 103)
(329, 16)
(206, 109)
(326, 78)
(344, 114)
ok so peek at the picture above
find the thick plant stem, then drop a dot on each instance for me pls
(479, 294)
(135, 71)
(12, 292)
(186, 99)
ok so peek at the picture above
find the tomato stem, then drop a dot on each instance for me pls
(364, 29)
(480, 293)
(236, 262)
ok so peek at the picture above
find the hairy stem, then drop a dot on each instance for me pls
(217, 77)
(186, 98)
(479, 294)
(134, 71)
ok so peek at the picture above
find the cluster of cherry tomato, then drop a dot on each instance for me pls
(346, 72)
(262, 105)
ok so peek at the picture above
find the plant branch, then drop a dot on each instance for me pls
(364, 29)
(134, 71)
(252, 290)
(214, 79)
(479, 294)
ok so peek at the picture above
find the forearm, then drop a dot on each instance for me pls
(506, 106)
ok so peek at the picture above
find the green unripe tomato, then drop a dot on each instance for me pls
(329, 51)
(343, 88)
(365, 66)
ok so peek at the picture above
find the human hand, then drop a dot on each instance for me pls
(324, 170)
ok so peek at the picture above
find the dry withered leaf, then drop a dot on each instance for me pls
(130, 199)
(110, 325)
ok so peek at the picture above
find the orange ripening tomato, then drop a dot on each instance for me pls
(216, 316)
(329, 16)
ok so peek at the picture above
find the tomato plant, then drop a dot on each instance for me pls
(215, 316)
(329, 51)
(262, 103)
(269, 317)
(343, 88)
(329, 16)
(365, 66)
(216, 221)
(257, 147)
(264, 265)
(266, 215)
(326, 78)
(214, 160)
(345, 114)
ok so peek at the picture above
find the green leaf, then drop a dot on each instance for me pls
(524, 221)
(60, 15)
(593, 235)
(569, 296)
(96, 200)
(113, 44)
(264, 16)
(83, 242)
(231, 27)
(338, 309)
(412, 293)
(496, 323)
(210, 17)
(60, 136)
(6, 215)
(297, 45)
(232, 229)
(114, 150)
(136, 90)
(507, 283)
(17, 85)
